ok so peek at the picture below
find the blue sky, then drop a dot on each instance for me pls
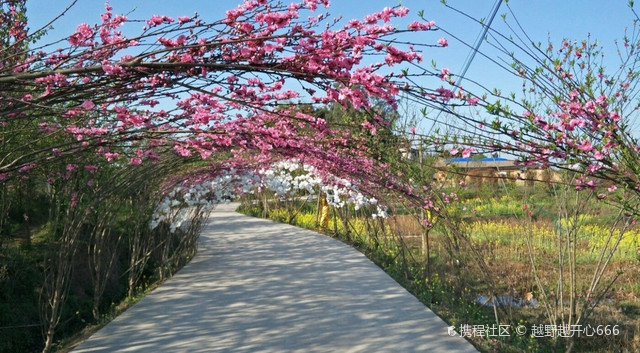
(603, 20)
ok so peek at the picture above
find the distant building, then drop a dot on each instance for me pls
(473, 171)
(482, 163)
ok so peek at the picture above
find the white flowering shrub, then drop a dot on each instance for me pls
(286, 179)
(182, 204)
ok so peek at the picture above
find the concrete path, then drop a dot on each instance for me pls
(259, 286)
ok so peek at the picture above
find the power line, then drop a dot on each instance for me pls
(472, 54)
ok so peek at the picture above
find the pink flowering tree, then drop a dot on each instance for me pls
(201, 88)
(228, 93)
(576, 113)
(231, 88)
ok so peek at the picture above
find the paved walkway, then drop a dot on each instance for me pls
(259, 286)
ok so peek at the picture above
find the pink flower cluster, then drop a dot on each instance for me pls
(83, 36)
(241, 87)
(157, 20)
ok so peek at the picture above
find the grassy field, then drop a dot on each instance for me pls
(501, 241)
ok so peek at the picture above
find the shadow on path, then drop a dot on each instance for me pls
(259, 286)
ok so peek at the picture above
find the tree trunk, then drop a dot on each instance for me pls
(425, 249)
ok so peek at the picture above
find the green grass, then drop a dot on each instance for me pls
(451, 290)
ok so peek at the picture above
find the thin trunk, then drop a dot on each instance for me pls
(318, 211)
(425, 250)
(60, 276)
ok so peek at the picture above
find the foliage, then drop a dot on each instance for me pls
(456, 283)
(575, 112)
(110, 132)
(227, 83)
(513, 235)
(90, 128)
(63, 269)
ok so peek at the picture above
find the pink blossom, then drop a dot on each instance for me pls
(83, 34)
(597, 154)
(151, 154)
(168, 43)
(111, 69)
(444, 74)
(88, 105)
(311, 4)
(466, 153)
(158, 20)
(445, 94)
(369, 126)
(420, 26)
(232, 15)
(245, 27)
(585, 146)
(612, 188)
(590, 106)
(473, 100)
(184, 19)
(54, 79)
(443, 42)
(135, 161)
(111, 156)
(26, 168)
(91, 168)
(575, 122)
(184, 152)
(592, 168)
(454, 151)
(614, 116)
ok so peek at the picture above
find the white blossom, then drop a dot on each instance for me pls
(279, 179)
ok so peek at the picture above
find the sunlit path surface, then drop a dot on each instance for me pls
(259, 286)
